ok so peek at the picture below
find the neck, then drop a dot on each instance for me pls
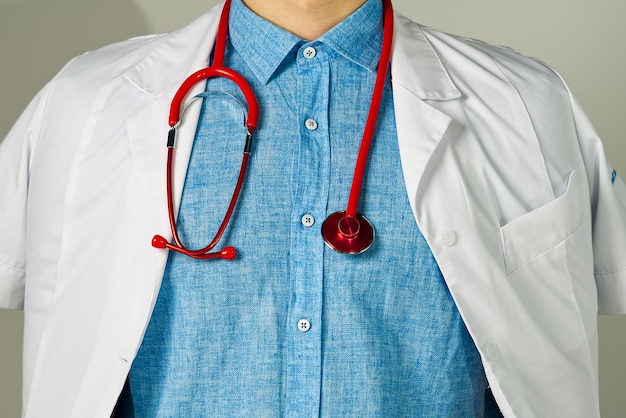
(307, 19)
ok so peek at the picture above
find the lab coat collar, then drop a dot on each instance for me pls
(179, 54)
(416, 66)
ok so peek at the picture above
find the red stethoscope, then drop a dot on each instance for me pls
(344, 231)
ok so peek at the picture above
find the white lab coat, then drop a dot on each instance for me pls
(506, 177)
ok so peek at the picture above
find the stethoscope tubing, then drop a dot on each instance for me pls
(344, 231)
(212, 72)
(348, 231)
(372, 117)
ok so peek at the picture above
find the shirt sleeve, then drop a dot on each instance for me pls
(608, 194)
(16, 158)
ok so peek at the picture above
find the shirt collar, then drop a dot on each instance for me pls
(359, 37)
(264, 46)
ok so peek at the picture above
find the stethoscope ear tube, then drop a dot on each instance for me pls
(215, 70)
(227, 253)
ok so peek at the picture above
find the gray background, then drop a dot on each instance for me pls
(583, 39)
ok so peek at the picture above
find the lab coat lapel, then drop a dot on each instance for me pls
(418, 76)
(157, 77)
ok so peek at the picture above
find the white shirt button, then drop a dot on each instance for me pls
(492, 351)
(304, 325)
(447, 238)
(311, 124)
(309, 52)
(308, 220)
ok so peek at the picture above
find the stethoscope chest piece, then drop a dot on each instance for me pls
(348, 234)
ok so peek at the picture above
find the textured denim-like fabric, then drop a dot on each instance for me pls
(385, 337)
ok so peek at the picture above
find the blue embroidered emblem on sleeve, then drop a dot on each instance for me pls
(613, 176)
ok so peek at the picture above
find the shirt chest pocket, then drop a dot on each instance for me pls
(537, 232)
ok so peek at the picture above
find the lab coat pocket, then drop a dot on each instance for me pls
(537, 232)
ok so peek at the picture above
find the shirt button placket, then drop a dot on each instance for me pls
(303, 380)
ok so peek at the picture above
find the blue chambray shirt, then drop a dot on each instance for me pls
(291, 328)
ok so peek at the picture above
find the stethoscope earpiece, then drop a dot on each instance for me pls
(226, 253)
(159, 242)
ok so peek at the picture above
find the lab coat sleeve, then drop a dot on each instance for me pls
(608, 194)
(17, 152)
